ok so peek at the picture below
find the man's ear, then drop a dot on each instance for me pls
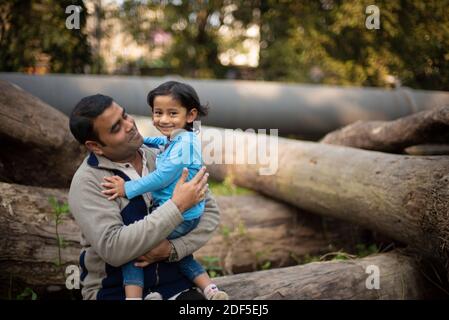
(94, 146)
(191, 115)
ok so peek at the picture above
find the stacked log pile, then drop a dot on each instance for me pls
(400, 196)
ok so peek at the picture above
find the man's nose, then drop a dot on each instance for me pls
(130, 124)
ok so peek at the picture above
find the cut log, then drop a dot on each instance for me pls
(253, 230)
(38, 148)
(425, 127)
(402, 197)
(428, 150)
(400, 277)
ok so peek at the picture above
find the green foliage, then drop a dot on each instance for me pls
(27, 294)
(308, 259)
(364, 250)
(59, 211)
(327, 42)
(262, 263)
(212, 266)
(306, 41)
(225, 231)
(361, 250)
(324, 42)
(194, 30)
(227, 188)
(266, 265)
(30, 29)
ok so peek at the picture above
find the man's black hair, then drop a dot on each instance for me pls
(83, 116)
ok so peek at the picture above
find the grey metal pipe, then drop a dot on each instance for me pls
(305, 110)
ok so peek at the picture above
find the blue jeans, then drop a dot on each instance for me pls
(189, 267)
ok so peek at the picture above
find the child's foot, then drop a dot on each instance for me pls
(213, 293)
(219, 295)
(153, 296)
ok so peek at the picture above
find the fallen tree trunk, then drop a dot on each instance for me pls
(400, 277)
(428, 149)
(402, 197)
(253, 230)
(425, 127)
(38, 148)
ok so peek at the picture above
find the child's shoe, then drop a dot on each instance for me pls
(153, 296)
(213, 293)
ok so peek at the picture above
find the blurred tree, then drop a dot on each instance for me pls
(323, 41)
(327, 42)
(193, 27)
(32, 30)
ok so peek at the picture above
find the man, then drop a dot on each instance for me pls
(116, 232)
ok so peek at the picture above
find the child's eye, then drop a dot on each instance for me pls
(173, 113)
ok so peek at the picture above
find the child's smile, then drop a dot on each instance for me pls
(169, 114)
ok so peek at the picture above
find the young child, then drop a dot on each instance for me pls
(175, 106)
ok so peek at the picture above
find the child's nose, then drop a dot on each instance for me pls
(164, 119)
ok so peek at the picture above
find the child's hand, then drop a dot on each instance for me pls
(141, 264)
(115, 186)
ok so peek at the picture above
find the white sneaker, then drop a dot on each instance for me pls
(153, 296)
(211, 292)
(219, 295)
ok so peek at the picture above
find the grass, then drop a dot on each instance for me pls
(59, 211)
(227, 188)
(361, 250)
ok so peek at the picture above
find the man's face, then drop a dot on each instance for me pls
(118, 132)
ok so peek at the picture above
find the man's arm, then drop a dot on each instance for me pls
(168, 249)
(102, 225)
(199, 236)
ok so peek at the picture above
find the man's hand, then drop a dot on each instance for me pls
(115, 187)
(158, 253)
(188, 194)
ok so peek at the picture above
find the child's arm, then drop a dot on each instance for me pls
(155, 141)
(165, 173)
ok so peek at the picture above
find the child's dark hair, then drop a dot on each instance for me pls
(181, 92)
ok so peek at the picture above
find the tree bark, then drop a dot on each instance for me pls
(428, 149)
(253, 230)
(38, 148)
(400, 277)
(402, 197)
(425, 127)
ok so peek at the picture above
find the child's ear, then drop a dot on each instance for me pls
(94, 147)
(191, 115)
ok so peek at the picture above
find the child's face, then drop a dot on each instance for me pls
(169, 114)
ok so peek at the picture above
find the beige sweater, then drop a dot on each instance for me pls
(105, 238)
